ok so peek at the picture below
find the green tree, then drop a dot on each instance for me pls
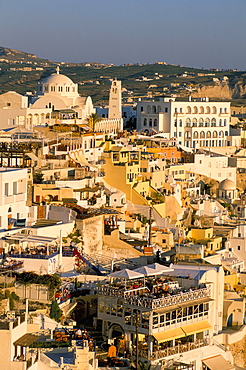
(38, 178)
(55, 311)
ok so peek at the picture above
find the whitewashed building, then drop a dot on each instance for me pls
(194, 123)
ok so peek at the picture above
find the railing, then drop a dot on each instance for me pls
(150, 302)
(36, 256)
(170, 351)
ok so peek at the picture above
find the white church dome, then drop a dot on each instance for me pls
(56, 78)
(227, 185)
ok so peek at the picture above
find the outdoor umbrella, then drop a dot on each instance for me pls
(156, 266)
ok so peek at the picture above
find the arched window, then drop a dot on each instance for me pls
(207, 122)
(201, 122)
(201, 110)
(194, 122)
(202, 135)
(221, 134)
(150, 122)
(145, 122)
(213, 122)
(195, 110)
(180, 123)
(148, 109)
(208, 134)
(220, 122)
(154, 109)
(155, 122)
(214, 110)
(188, 110)
(225, 122)
(207, 110)
(195, 135)
(188, 122)
(215, 134)
(226, 133)
(187, 135)
(159, 108)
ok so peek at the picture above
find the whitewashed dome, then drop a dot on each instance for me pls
(58, 84)
(57, 79)
(227, 185)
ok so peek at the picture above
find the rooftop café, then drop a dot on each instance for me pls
(171, 317)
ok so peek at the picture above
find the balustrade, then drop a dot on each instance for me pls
(152, 302)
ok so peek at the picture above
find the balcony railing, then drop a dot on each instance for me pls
(154, 303)
(170, 351)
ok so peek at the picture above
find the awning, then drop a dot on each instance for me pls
(26, 340)
(217, 363)
(196, 327)
(167, 335)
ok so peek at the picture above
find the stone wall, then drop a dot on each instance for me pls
(92, 231)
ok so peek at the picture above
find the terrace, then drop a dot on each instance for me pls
(154, 294)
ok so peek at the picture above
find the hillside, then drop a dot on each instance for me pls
(20, 71)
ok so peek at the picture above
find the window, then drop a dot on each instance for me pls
(15, 187)
(145, 122)
(141, 109)
(8, 104)
(180, 134)
(155, 122)
(166, 110)
(238, 248)
(150, 122)
(176, 110)
(6, 189)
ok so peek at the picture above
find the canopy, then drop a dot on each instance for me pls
(126, 274)
(196, 327)
(165, 336)
(217, 363)
(26, 340)
(156, 266)
(147, 271)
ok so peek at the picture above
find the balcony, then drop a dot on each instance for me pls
(153, 303)
(8, 199)
(170, 351)
(20, 197)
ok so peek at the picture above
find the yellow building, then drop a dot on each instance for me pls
(122, 171)
(50, 193)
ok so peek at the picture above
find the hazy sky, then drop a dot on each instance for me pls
(193, 33)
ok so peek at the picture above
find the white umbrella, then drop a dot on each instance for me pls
(163, 269)
(147, 271)
(126, 274)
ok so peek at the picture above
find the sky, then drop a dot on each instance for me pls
(193, 33)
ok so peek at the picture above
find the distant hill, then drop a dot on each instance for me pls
(11, 55)
(21, 72)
